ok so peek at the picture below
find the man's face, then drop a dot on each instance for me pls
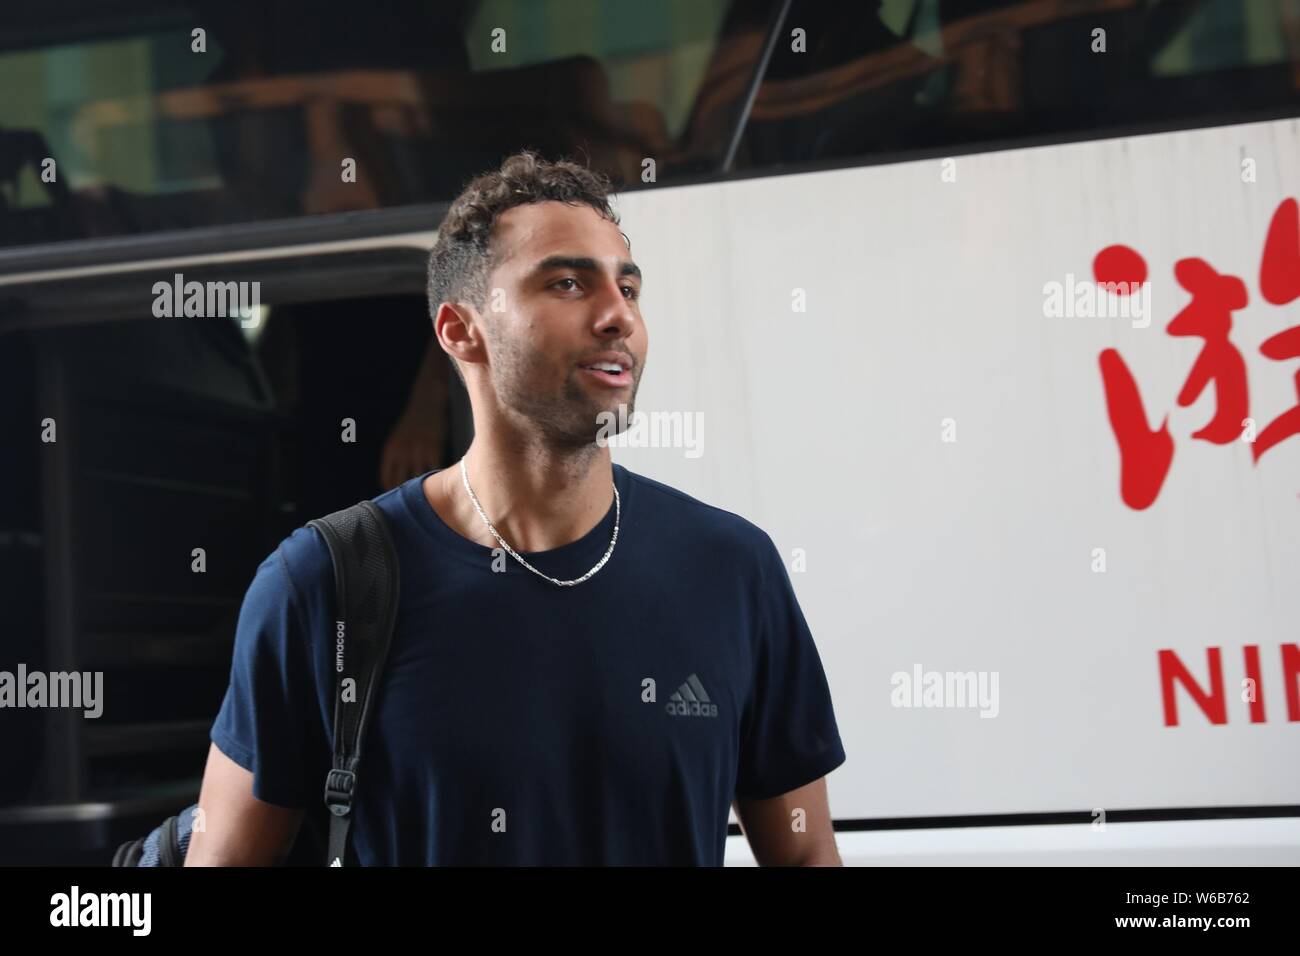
(562, 297)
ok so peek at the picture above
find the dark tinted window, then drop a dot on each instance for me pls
(883, 77)
(147, 134)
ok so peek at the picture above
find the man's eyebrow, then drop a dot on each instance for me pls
(583, 264)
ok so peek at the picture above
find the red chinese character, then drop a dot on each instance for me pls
(1146, 455)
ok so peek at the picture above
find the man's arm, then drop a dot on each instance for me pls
(780, 836)
(238, 829)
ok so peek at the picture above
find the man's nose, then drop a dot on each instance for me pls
(615, 311)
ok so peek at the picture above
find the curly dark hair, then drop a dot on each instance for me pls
(462, 257)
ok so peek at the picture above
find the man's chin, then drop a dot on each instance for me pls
(612, 420)
(617, 412)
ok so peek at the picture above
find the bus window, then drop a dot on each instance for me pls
(864, 81)
(201, 113)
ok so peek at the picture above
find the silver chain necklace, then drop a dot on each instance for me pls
(618, 508)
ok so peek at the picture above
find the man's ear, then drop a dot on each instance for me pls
(459, 329)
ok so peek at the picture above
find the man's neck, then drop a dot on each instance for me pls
(537, 498)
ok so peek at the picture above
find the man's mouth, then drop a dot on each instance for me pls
(612, 373)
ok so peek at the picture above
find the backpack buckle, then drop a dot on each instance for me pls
(338, 791)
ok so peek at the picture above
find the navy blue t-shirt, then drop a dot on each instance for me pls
(521, 723)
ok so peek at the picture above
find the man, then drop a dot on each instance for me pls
(588, 666)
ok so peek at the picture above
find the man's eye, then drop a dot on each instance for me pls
(632, 292)
(558, 281)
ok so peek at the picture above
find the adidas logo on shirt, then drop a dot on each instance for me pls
(691, 700)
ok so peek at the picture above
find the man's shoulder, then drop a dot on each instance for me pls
(305, 551)
(302, 561)
(304, 556)
(681, 514)
(304, 544)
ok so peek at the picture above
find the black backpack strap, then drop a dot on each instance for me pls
(128, 854)
(169, 851)
(365, 594)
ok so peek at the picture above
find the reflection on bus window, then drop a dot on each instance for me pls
(886, 77)
(138, 124)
